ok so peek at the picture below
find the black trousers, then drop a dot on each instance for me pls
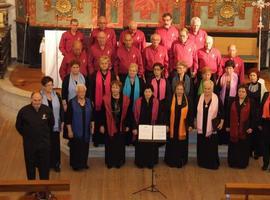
(37, 156)
(266, 142)
(55, 154)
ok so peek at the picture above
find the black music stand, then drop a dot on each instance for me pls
(153, 186)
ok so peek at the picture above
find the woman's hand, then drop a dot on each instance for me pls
(220, 125)
(102, 129)
(249, 131)
(135, 132)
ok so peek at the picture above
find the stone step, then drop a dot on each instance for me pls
(99, 152)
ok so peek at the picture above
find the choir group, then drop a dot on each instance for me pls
(180, 80)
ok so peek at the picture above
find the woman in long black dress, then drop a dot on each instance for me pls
(52, 99)
(181, 122)
(256, 90)
(241, 127)
(145, 112)
(209, 120)
(133, 88)
(265, 127)
(100, 85)
(115, 111)
(79, 125)
(227, 84)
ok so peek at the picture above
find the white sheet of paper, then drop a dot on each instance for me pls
(159, 132)
(145, 132)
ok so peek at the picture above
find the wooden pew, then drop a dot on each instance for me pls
(246, 189)
(35, 186)
(246, 47)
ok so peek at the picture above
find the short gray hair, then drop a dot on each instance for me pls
(80, 85)
(195, 19)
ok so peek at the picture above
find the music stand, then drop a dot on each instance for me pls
(153, 186)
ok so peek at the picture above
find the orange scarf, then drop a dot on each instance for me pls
(266, 111)
(182, 127)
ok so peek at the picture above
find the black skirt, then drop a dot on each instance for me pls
(207, 151)
(176, 152)
(238, 153)
(146, 154)
(115, 150)
(79, 150)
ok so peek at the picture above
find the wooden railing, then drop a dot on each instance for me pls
(246, 189)
(35, 186)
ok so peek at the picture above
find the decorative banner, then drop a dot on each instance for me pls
(226, 15)
(149, 13)
(58, 13)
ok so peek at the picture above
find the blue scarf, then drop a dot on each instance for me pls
(77, 119)
(127, 88)
(55, 109)
(72, 85)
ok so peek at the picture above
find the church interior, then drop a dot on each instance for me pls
(26, 26)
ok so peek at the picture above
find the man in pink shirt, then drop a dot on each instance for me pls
(196, 34)
(184, 50)
(210, 57)
(126, 55)
(68, 37)
(77, 53)
(239, 68)
(167, 32)
(101, 48)
(102, 26)
(155, 53)
(137, 35)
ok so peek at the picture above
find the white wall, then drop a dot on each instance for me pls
(12, 18)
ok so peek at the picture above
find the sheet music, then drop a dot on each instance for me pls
(145, 132)
(159, 132)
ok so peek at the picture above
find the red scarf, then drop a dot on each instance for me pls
(238, 127)
(99, 88)
(112, 129)
(162, 88)
(266, 111)
(137, 110)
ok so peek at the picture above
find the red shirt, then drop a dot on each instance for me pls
(185, 52)
(95, 53)
(111, 37)
(153, 55)
(198, 39)
(211, 59)
(125, 57)
(67, 39)
(138, 39)
(239, 68)
(65, 67)
(168, 36)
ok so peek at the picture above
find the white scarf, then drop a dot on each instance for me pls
(212, 113)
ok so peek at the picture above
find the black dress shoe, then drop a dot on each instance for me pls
(256, 157)
(57, 169)
(109, 166)
(264, 167)
(86, 167)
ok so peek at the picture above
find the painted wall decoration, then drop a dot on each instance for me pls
(149, 13)
(21, 11)
(226, 15)
(114, 13)
(58, 12)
